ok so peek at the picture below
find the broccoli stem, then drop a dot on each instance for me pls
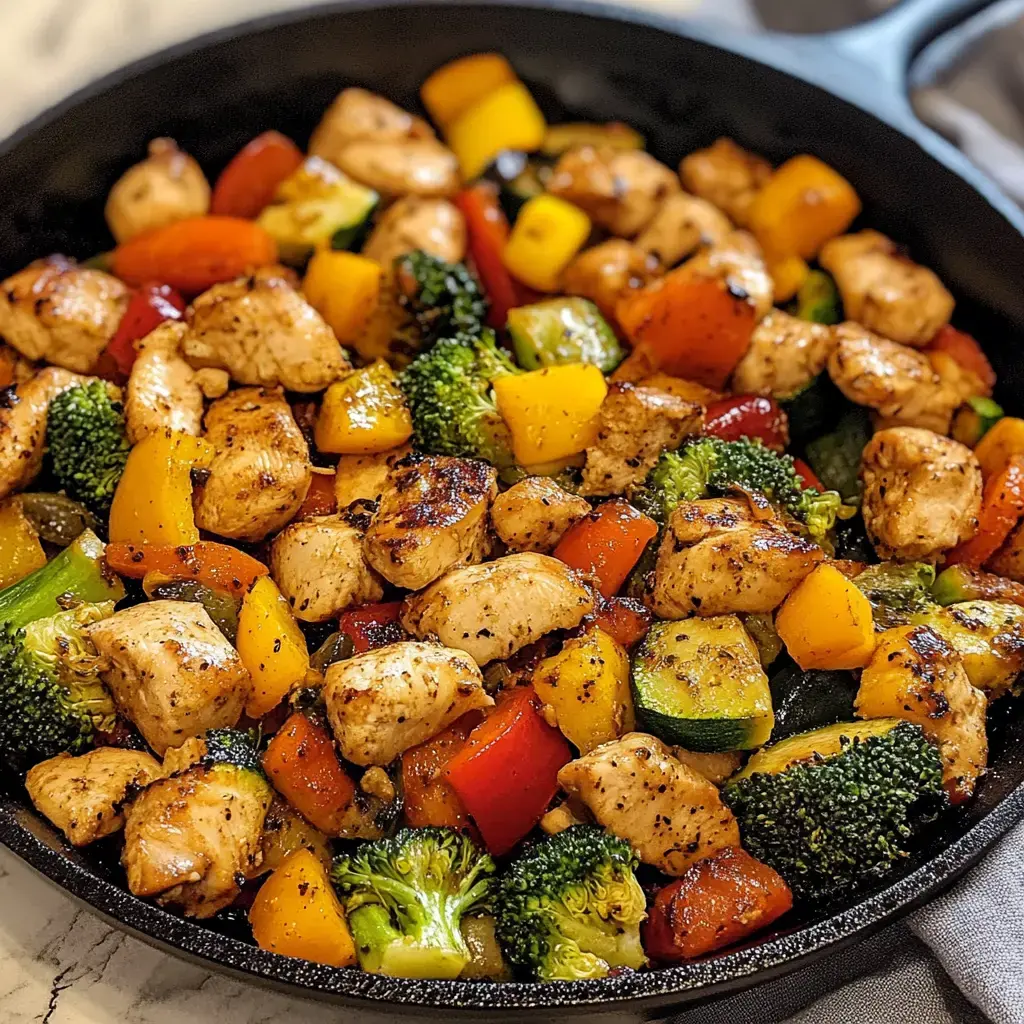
(440, 951)
(78, 571)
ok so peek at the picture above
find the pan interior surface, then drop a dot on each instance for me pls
(681, 94)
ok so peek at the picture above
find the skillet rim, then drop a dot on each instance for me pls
(45, 852)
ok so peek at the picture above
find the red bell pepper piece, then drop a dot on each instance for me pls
(506, 774)
(966, 351)
(808, 478)
(748, 416)
(219, 566)
(624, 619)
(607, 543)
(149, 307)
(1002, 505)
(488, 230)
(249, 181)
(372, 625)
(717, 902)
(319, 500)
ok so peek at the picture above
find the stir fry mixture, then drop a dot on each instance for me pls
(498, 557)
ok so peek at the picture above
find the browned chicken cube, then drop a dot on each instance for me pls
(608, 272)
(534, 514)
(785, 355)
(682, 225)
(727, 176)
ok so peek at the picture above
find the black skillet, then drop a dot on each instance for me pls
(841, 97)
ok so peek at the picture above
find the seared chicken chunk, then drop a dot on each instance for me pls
(884, 290)
(260, 471)
(420, 168)
(899, 384)
(434, 225)
(366, 478)
(682, 225)
(319, 567)
(636, 425)
(434, 518)
(716, 558)
(491, 611)
(263, 332)
(82, 795)
(608, 272)
(23, 426)
(387, 700)
(534, 514)
(727, 176)
(620, 189)
(922, 493)
(171, 670)
(916, 675)
(670, 813)
(785, 355)
(60, 312)
(737, 262)
(192, 840)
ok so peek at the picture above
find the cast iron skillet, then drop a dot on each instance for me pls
(841, 97)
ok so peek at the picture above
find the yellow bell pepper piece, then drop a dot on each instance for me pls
(363, 414)
(507, 118)
(801, 206)
(271, 646)
(788, 274)
(456, 86)
(551, 413)
(153, 500)
(20, 550)
(1000, 443)
(587, 685)
(344, 289)
(546, 236)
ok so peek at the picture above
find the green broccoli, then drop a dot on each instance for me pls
(232, 747)
(443, 298)
(570, 907)
(897, 591)
(448, 388)
(832, 809)
(51, 696)
(405, 897)
(88, 443)
(710, 466)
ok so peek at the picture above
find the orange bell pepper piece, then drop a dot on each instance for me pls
(1002, 506)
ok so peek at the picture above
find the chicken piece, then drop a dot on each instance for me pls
(608, 272)
(916, 675)
(357, 115)
(434, 518)
(899, 384)
(419, 168)
(727, 176)
(177, 759)
(682, 225)
(14, 367)
(82, 796)
(171, 671)
(636, 424)
(434, 225)
(619, 189)
(387, 700)
(167, 186)
(737, 262)
(922, 493)
(785, 355)
(260, 471)
(669, 812)
(366, 478)
(263, 332)
(193, 839)
(716, 558)
(60, 312)
(715, 767)
(884, 290)
(23, 426)
(534, 514)
(319, 567)
(491, 611)
(163, 392)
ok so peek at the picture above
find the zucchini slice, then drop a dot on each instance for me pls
(698, 683)
(557, 331)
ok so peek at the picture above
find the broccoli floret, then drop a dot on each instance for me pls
(443, 298)
(570, 907)
(711, 466)
(51, 696)
(405, 897)
(234, 747)
(88, 442)
(832, 810)
(897, 591)
(449, 392)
